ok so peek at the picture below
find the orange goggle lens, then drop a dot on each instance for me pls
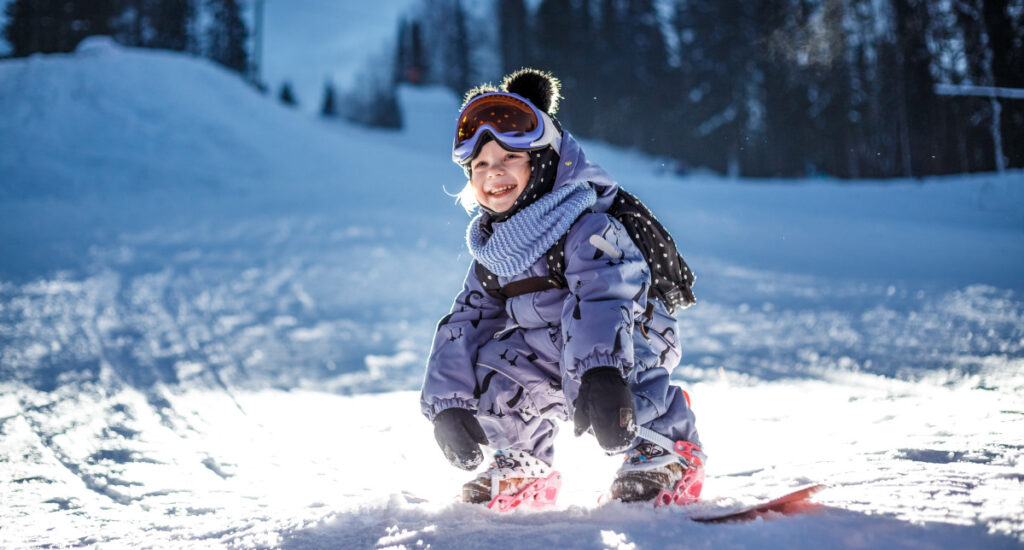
(507, 115)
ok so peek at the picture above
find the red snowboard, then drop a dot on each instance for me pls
(791, 503)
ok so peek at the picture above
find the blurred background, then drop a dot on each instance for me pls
(845, 88)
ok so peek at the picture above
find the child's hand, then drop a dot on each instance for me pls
(459, 434)
(606, 404)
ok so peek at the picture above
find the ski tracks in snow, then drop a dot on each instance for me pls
(121, 381)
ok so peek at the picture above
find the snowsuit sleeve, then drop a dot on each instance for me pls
(474, 318)
(607, 293)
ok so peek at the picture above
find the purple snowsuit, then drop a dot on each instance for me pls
(517, 363)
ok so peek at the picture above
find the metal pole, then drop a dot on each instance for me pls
(983, 91)
(992, 93)
(258, 43)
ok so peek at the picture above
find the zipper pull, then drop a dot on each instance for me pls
(505, 331)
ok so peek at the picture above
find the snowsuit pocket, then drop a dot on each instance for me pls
(512, 377)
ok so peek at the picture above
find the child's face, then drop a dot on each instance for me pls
(499, 176)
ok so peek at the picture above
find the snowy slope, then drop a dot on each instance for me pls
(214, 313)
(307, 42)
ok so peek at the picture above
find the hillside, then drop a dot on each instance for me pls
(214, 314)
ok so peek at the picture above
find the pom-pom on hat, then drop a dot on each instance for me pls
(540, 87)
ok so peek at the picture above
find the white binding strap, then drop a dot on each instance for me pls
(666, 443)
(656, 438)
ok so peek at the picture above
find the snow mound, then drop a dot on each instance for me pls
(98, 45)
(94, 123)
(113, 139)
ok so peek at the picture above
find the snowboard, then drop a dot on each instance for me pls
(791, 503)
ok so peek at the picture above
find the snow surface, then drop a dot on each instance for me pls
(215, 311)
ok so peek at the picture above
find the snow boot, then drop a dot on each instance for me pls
(513, 479)
(652, 473)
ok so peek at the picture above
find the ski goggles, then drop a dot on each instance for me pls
(509, 118)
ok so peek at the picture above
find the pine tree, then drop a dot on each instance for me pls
(418, 66)
(610, 72)
(227, 35)
(775, 87)
(23, 30)
(570, 52)
(717, 62)
(329, 106)
(1006, 37)
(373, 102)
(410, 62)
(51, 26)
(645, 98)
(585, 88)
(460, 69)
(971, 116)
(872, 91)
(137, 14)
(443, 28)
(514, 33)
(829, 111)
(916, 96)
(172, 23)
(383, 110)
(401, 51)
(93, 18)
(784, 138)
(286, 95)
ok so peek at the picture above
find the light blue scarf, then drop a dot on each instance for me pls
(519, 241)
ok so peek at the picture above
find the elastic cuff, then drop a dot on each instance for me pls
(600, 359)
(431, 411)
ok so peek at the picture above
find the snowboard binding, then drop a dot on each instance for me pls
(541, 494)
(687, 489)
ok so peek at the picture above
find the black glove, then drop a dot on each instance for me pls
(459, 434)
(606, 404)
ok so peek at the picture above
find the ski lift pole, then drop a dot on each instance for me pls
(982, 91)
(991, 92)
(257, 53)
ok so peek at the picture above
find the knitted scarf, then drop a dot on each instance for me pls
(519, 241)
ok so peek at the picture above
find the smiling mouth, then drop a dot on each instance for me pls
(501, 190)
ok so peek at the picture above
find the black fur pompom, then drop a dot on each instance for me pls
(540, 87)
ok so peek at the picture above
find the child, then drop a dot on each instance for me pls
(519, 350)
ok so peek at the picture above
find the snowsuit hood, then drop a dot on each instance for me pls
(573, 167)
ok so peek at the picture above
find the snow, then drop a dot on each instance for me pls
(214, 313)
